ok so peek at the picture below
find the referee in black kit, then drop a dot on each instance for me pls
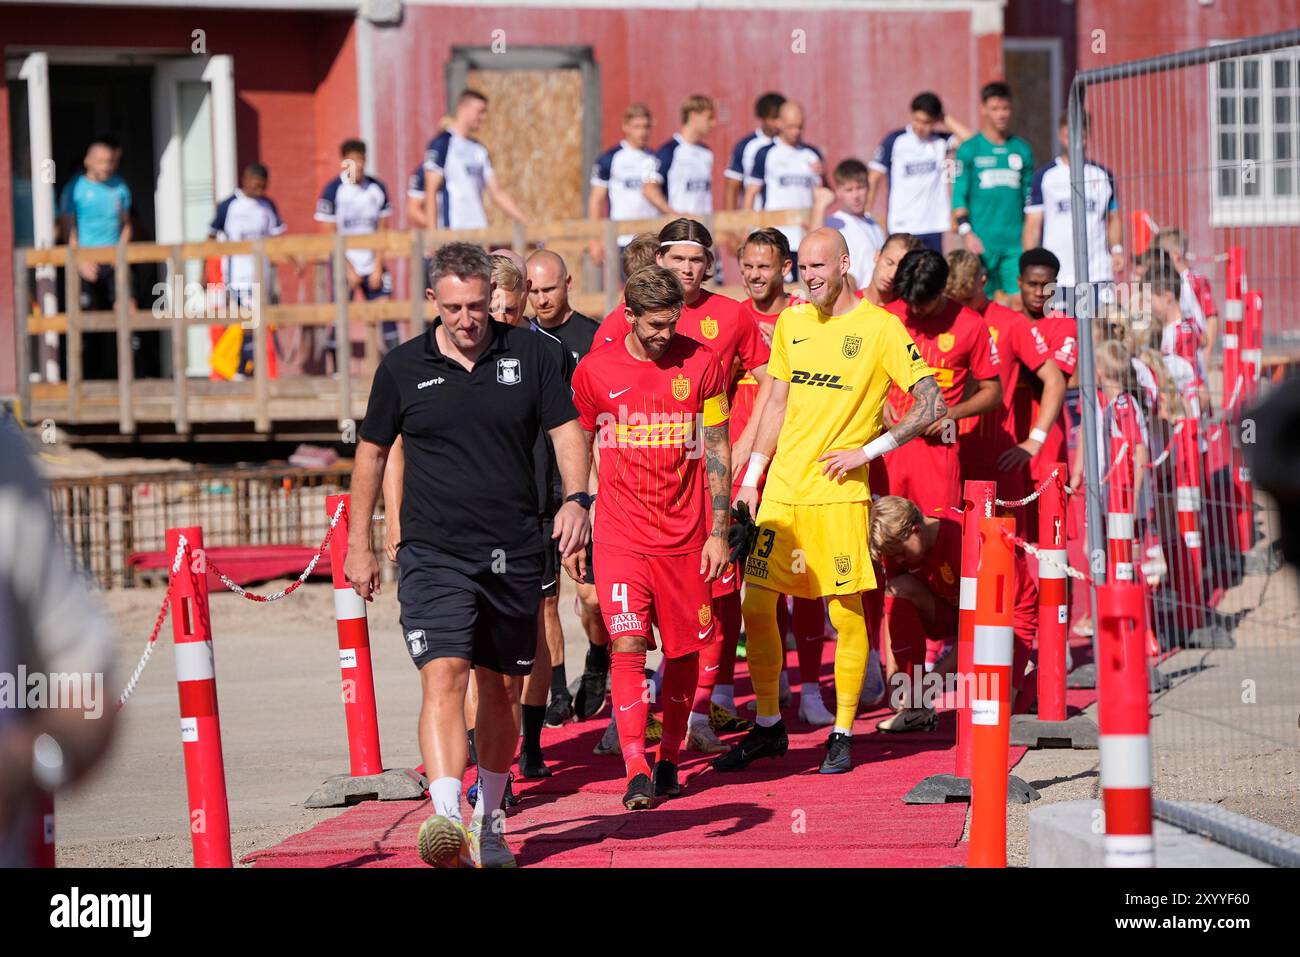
(468, 399)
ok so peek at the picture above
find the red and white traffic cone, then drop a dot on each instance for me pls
(1125, 726)
(991, 709)
(1252, 344)
(196, 679)
(367, 778)
(1236, 386)
(1187, 499)
(1121, 524)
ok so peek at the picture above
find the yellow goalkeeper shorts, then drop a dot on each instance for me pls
(810, 551)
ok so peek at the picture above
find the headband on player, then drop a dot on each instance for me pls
(684, 242)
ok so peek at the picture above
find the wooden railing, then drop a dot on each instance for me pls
(270, 405)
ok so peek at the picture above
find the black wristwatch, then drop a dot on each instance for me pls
(582, 498)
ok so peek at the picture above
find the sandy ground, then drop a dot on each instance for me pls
(1226, 731)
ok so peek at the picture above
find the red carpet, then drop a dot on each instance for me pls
(775, 814)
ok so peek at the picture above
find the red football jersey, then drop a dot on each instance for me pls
(746, 388)
(955, 342)
(1059, 333)
(715, 321)
(646, 417)
(940, 567)
(1019, 344)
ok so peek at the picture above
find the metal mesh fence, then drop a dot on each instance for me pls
(116, 525)
(1189, 162)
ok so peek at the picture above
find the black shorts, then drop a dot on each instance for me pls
(550, 559)
(452, 608)
(590, 577)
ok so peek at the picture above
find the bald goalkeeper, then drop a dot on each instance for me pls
(833, 361)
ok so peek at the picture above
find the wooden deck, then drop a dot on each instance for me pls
(292, 406)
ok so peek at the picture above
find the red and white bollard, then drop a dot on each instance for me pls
(1252, 344)
(976, 496)
(1188, 563)
(205, 772)
(367, 779)
(354, 653)
(1053, 602)
(991, 710)
(1125, 726)
(1233, 316)
(1121, 524)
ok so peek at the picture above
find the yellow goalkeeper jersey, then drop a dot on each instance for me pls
(839, 369)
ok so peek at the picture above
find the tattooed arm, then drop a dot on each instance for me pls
(927, 407)
(717, 470)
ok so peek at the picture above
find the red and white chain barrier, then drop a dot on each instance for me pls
(1035, 552)
(1032, 496)
(242, 592)
(157, 627)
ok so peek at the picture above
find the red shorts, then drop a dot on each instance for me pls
(636, 589)
(726, 583)
(928, 473)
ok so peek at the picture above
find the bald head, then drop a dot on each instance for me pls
(790, 122)
(548, 293)
(823, 267)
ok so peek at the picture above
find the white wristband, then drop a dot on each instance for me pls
(754, 471)
(1038, 435)
(880, 445)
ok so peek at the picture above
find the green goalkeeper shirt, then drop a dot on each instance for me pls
(993, 184)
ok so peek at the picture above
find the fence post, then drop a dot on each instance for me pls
(180, 340)
(205, 772)
(1053, 602)
(418, 279)
(125, 354)
(1125, 725)
(342, 334)
(72, 308)
(613, 265)
(259, 332)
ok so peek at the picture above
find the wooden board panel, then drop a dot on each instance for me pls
(534, 135)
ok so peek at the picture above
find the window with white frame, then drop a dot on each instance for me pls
(1254, 130)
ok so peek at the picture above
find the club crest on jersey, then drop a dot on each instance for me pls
(945, 572)
(852, 345)
(508, 372)
(681, 388)
(843, 564)
(946, 341)
(709, 327)
(1014, 161)
(706, 615)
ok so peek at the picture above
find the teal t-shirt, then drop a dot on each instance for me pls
(993, 183)
(97, 207)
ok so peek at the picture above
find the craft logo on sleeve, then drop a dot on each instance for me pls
(74, 910)
(508, 371)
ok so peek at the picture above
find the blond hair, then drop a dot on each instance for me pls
(964, 269)
(640, 252)
(506, 274)
(636, 110)
(893, 519)
(696, 103)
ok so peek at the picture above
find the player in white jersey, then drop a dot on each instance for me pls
(914, 159)
(862, 234)
(354, 204)
(618, 178)
(766, 109)
(681, 182)
(786, 172)
(457, 171)
(1047, 216)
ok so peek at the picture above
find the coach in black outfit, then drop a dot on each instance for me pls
(468, 398)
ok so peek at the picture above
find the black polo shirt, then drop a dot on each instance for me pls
(577, 333)
(470, 483)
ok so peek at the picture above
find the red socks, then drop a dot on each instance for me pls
(718, 660)
(631, 706)
(680, 676)
(906, 635)
(809, 626)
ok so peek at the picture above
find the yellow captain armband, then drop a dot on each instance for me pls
(716, 410)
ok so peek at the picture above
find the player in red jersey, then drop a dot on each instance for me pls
(999, 447)
(717, 322)
(880, 290)
(1038, 271)
(921, 553)
(956, 344)
(656, 403)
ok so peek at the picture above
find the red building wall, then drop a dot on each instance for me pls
(295, 87)
(860, 70)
